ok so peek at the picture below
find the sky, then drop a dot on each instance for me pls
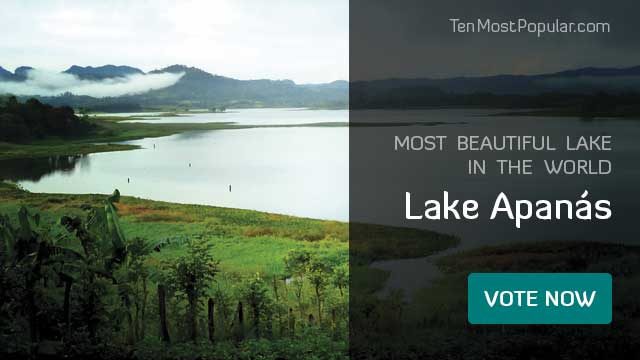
(414, 38)
(305, 41)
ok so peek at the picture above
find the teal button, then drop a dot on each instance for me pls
(539, 298)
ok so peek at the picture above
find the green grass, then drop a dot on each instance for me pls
(21, 151)
(244, 241)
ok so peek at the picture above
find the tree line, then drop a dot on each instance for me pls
(22, 122)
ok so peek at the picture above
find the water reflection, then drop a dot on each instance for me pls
(295, 171)
(38, 168)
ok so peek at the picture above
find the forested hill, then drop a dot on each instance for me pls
(590, 92)
(198, 88)
(195, 89)
(31, 120)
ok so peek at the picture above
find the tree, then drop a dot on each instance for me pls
(255, 293)
(319, 273)
(132, 279)
(340, 278)
(24, 122)
(296, 264)
(104, 250)
(192, 275)
(24, 250)
(162, 309)
(29, 254)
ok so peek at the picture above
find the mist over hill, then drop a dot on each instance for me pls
(125, 88)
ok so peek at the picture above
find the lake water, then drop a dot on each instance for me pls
(284, 116)
(297, 170)
(304, 171)
(427, 174)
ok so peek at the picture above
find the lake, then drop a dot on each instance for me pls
(304, 171)
(298, 171)
(282, 116)
(426, 174)
(383, 175)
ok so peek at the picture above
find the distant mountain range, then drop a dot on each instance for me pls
(582, 80)
(200, 89)
(195, 89)
(554, 89)
(102, 72)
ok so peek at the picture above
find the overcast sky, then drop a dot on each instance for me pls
(414, 38)
(306, 41)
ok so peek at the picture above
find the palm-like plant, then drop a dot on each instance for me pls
(104, 250)
(108, 254)
(30, 253)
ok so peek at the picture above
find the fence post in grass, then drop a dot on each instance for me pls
(270, 324)
(275, 287)
(210, 315)
(334, 324)
(292, 322)
(162, 306)
(240, 321)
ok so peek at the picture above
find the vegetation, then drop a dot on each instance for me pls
(29, 135)
(433, 322)
(90, 275)
(199, 89)
(24, 122)
(377, 242)
(47, 149)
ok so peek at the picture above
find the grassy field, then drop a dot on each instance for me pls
(245, 244)
(245, 241)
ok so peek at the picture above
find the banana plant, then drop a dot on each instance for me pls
(133, 278)
(104, 249)
(20, 252)
(108, 254)
(32, 254)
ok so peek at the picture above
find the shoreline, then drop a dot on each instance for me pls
(125, 132)
(241, 233)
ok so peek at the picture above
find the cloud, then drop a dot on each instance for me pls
(221, 36)
(50, 83)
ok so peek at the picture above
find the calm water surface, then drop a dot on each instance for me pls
(285, 116)
(304, 171)
(297, 171)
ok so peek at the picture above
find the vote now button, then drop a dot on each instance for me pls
(539, 298)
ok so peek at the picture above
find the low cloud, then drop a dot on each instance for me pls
(50, 83)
